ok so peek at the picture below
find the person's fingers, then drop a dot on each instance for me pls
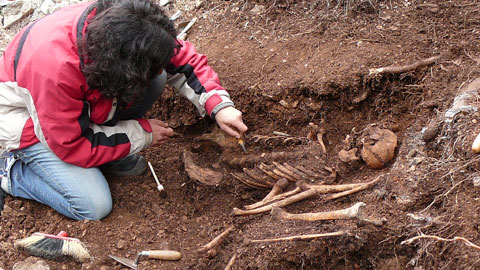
(240, 126)
(229, 130)
(159, 122)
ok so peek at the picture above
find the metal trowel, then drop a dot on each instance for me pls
(167, 255)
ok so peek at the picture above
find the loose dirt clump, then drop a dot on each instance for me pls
(306, 75)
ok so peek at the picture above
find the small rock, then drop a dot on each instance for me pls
(31, 263)
(258, 10)
(476, 181)
(16, 11)
(45, 6)
(121, 244)
(164, 2)
(199, 3)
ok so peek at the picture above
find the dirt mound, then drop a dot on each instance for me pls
(288, 64)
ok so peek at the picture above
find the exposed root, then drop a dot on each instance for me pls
(297, 237)
(456, 238)
(406, 68)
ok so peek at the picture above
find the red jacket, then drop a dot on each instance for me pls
(44, 96)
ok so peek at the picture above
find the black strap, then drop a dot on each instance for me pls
(19, 49)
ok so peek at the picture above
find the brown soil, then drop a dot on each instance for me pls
(287, 63)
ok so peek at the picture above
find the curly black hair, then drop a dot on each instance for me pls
(126, 44)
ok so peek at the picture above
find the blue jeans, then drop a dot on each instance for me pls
(76, 192)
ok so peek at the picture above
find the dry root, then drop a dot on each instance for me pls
(297, 237)
(456, 238)
(406, 68)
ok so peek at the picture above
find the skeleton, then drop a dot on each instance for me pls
(301, 192)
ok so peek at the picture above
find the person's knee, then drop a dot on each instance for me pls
(93, 207)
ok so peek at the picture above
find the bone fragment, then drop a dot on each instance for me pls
(353, 212)
(277, 189)
(204, 175)
(211, 246)
(476, 144)
(320, 141)
(355, 190)
(287, 201)
(297, 237)
(406, 68)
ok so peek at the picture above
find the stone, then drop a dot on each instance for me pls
(16, 11)
(45, 6)
(31, 263)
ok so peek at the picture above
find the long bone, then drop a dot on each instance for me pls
(323, 189)
(211, 247)
(277, 189)
(287, 201)
(353, 212)
(355, 190)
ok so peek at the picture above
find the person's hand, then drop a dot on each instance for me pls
(229, 120)
(160, 131)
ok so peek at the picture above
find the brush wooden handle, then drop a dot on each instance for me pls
(168, 255)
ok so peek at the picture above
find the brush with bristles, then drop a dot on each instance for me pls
(54, 247)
